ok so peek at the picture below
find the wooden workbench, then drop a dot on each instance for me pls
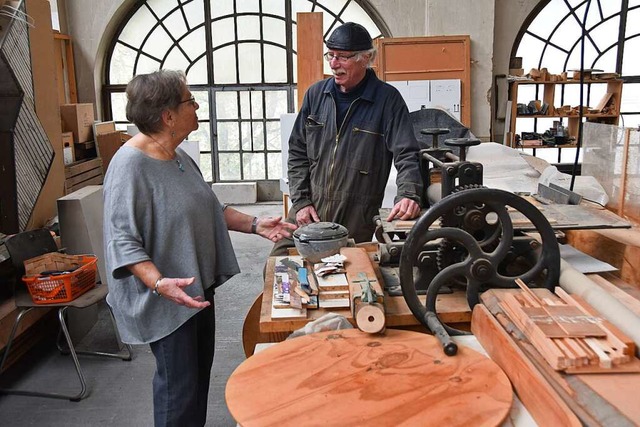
(452, 308)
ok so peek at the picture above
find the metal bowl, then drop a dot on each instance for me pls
(319, 240)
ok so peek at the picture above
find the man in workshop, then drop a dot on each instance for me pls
(351, 127)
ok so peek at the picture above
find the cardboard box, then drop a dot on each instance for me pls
(78, 119)
(68, 151)
(107, 144)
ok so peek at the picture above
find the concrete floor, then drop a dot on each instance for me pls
(120, 392)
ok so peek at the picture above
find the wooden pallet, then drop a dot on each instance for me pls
(82, 173)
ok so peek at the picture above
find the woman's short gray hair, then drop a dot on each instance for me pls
(149, 95)
(371, 53)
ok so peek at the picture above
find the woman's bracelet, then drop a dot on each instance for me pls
(155, 287)
(254, 225)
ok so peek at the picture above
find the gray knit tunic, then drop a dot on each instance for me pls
(154, 211)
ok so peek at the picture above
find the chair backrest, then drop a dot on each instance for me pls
(29, 244)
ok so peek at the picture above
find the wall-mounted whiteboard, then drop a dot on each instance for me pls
(419, 94)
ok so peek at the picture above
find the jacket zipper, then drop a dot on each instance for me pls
(335, 148)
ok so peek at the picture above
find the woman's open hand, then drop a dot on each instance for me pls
(274, 229)
(171, 288)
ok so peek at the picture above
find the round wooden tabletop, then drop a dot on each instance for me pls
(349, 378)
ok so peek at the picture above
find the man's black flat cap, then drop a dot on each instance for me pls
(350, 36)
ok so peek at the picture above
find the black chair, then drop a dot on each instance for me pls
(30, 244)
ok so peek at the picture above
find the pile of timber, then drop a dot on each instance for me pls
(567, 333)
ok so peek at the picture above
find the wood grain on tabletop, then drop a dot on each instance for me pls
(349, 378)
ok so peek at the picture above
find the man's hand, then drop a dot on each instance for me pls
(307, 215)
(274, 229)
(404, 209)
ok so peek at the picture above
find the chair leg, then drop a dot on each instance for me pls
(83, 385)
(124, 354)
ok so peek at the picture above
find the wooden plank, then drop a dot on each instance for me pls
(310, 50)
(544, 404)
(97, 180)
(82, 166)
(620, 248)
(85, 176)
(574, 322)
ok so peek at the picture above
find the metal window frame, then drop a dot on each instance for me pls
(290, 85)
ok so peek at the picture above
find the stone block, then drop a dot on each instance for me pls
(238, 193)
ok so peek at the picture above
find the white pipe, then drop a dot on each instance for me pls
(574, 282)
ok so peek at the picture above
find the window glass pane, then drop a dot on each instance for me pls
(273, 136)
(229, 166)
(590, 55)
(607, 61)
(176, 60)
(566, 34)
(245, 130)
(194, 43)
(222, 32)
(158, 43)
(547, 19)
(253, 166)
(248, 6)
(202, 135)
(606, 34)
(553, 60)
(530, 50)
(274, 30)
(274, 166)
(205, 166)
(245, 106)
(275, 70)
(632, 23)
(221, 8)
(224, 70)
(202, 98)
(256, 105)
(194, 11)
(176, 24)
(197, 74)
(630, 66)
(118, 106)
(630, 98)
(300, 6)
(121, 69)
(161, 7)
(258, 136)
(250, 63)
(274, 7)
(630, 120)
(248, 28)
(138, 27)
(276, 103)
(146, 65)
(228, 136)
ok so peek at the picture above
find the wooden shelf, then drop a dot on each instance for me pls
(546, 93)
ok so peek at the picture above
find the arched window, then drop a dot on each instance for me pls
(240, 61)
(552, 38)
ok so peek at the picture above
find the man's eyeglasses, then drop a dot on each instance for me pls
(341, 58)
(192, 100)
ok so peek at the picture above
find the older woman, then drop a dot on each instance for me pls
(167, 246)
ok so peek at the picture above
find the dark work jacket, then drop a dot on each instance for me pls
(344, 172)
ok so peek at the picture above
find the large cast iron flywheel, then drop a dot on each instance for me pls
(480, 268)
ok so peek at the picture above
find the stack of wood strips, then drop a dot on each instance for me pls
(567, 332)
